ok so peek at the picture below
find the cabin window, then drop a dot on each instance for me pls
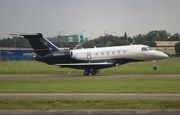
(144, 49)
(124, 51)
(102, 53)
(107, 53)
(96, 54)
(113, 52)
(119, 52)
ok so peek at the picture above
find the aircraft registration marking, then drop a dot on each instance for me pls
(58, 54)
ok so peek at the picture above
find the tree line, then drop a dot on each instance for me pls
(102, 41)
(148, 39)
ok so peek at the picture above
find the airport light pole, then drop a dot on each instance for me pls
(14, 38)
(60, 32)
(105, 32)
(114, 33)
(14, 42)
(83, 31)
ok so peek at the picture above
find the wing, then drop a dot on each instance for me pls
(84, 64)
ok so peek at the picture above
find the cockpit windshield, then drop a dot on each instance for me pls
(146, 49)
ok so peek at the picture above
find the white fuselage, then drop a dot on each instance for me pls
(135, 52)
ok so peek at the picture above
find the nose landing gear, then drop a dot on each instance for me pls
(154, 64)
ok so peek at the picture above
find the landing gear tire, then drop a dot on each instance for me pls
(154, 68)
(154, 64)
(86, 73)
(93, 72)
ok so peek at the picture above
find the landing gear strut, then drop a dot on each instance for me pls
(154, 64)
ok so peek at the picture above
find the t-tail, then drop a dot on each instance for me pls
(41, 45)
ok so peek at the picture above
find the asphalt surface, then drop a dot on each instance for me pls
(88, 95)
(89, 112)
(16, 77)
(85, 95)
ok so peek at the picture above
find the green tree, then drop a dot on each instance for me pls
(109, 43)
(88, 44)
(174, 37)
(177, 48)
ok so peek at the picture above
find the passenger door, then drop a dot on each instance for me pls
(88, 55)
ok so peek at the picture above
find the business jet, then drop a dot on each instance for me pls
(91, 60)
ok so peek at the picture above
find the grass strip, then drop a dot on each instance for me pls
(167, 66)
(91, 85)
(88, 104)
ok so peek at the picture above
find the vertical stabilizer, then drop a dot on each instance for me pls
(41, 45)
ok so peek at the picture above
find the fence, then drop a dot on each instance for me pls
(17, 55)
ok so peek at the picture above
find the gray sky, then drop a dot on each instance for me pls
(95, 16)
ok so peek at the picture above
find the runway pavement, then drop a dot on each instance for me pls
(88, 95)
(89, 112)
(16, 77)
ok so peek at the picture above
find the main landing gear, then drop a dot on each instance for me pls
(93, 72)
(154, 64)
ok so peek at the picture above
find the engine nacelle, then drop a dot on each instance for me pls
(78, 54)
